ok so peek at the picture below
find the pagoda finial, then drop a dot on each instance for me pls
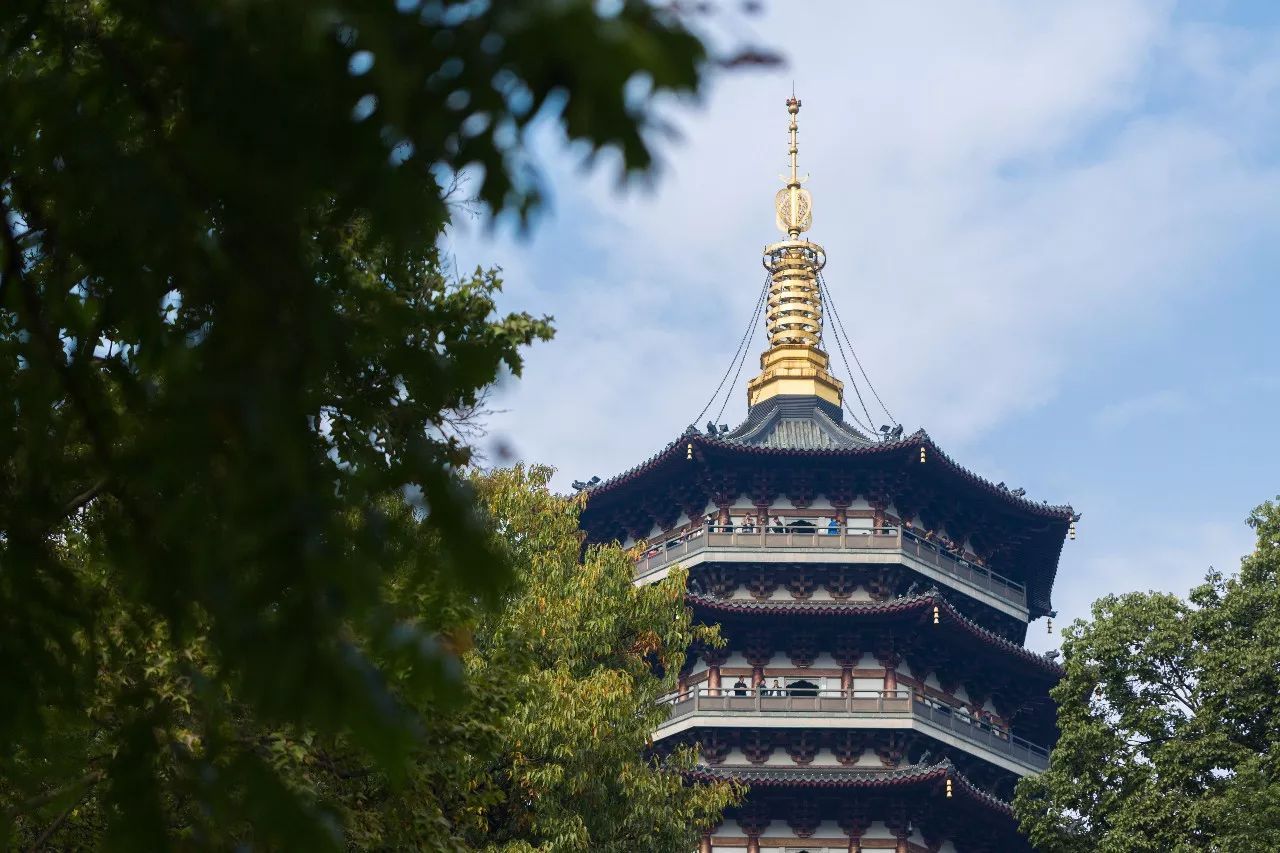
(793, 204)
(795, 363)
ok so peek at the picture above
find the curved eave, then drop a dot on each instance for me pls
(1049, 522)
(918, 439)
(911, 776)
(921, 604)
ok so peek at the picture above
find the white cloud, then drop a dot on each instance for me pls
(1141, 409)
(1002, 188)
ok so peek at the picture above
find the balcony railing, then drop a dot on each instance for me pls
(673, 548)
(900, 705)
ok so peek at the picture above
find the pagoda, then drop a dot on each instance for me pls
(874, 692)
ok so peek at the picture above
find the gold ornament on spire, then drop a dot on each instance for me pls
(794, 204)
(795, 363)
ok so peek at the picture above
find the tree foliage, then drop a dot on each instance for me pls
(542, 746)
(226, 353)
(1170, 719)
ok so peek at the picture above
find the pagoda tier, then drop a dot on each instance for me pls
(872, 691)
(920, 642)
(740, 752)
(913, 808)
(846, 578)
(908, 483)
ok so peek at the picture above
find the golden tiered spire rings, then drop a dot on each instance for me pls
(794, 364)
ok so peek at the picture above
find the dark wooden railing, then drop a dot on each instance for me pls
(898, 704)
(672, 548)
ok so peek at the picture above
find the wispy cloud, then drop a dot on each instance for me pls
(1019, 202)
(1141, 410)
(1002, 188)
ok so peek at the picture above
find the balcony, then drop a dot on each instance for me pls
(880, 545)
(864, 709)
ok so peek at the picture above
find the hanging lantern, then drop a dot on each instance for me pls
(1071, 531)
(922, 453)
(948, 788)
(1049, 625)
(689, 451)
(935, 614)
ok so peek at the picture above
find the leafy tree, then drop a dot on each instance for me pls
(543, 747)
(573, 772)
(1170, 719)
(225, 342)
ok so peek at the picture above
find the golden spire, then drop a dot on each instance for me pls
(795, 363)
(794, 205)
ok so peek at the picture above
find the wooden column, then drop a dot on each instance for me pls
(754, 821)
(715, 658)
(757, 647)
(704, 846)
(846, 650)
(854, 823)
(891, 674)
(901, 828)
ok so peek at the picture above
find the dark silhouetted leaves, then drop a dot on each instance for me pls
(228, 354)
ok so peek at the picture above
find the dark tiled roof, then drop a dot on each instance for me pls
(796, 423)
(850, 777)
(765, 439)
(917, 439)
(905, 604)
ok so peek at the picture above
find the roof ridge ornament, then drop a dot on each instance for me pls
(794, 205)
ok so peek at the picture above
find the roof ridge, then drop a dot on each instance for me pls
(692, 435)
(899, 604)
(842, 426)
(872, 777)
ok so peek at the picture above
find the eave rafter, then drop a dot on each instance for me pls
(1018, 538)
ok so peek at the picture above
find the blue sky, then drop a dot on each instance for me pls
(1052, 232)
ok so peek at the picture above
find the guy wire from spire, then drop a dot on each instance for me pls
(825, 298)
(738, 355)
(764, 298)
(869, 426)
(835, 313)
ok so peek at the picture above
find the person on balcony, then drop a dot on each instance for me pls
(740, 687)
(777, 526)
(984, 717)
(833, 526)
(777, 689)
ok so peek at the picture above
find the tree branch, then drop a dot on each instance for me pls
(88, 780)
(12, 268)
(61, 819)
(84, 497)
